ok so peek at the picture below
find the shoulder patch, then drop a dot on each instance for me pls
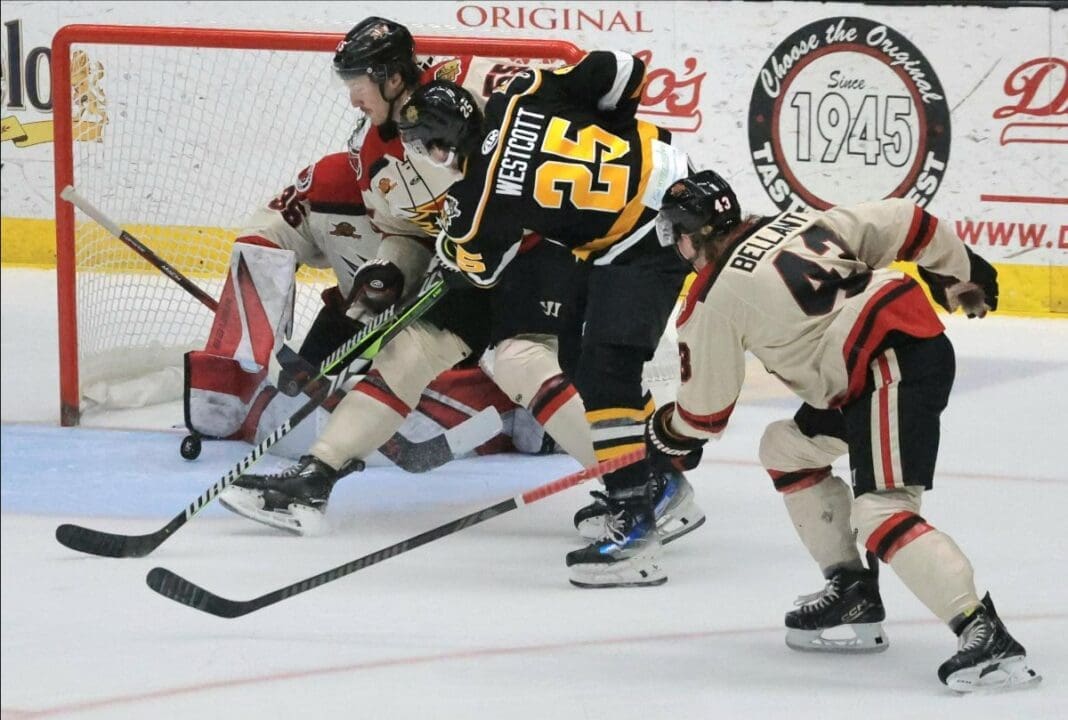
(450, 210)
(449, 70)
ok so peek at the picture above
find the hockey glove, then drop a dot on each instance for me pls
(377, 285)
(976, 296)
(667, 451)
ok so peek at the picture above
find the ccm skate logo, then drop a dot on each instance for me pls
(856, 611)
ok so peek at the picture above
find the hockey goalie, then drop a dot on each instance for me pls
(321, 221)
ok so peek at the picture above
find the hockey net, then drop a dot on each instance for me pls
(178, 134)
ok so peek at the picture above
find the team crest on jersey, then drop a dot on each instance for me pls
(385, 185)
(449, 71)
(490, 142)
(450, 210)
(344, 229)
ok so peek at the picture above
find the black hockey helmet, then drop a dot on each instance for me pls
(441, 114)
(702, 206)
(377, 47)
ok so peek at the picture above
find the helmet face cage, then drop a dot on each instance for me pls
(375, 47)
(702, 206)
(442, 115)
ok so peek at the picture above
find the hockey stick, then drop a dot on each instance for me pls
(180, 590)
(364, 346)
(410, 456)
(72, 196)
(425, 455)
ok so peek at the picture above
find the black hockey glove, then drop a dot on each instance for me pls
(377, 285)
(975, 296)
(667, 451)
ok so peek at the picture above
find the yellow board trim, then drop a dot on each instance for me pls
(1026, 290)
(31, 243)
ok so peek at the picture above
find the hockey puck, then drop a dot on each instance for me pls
(190, 448)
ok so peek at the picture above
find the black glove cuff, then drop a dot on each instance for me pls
(664, 440)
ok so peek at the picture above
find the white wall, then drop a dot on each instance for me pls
(1000, 77)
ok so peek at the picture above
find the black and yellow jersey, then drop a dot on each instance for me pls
(563, 157)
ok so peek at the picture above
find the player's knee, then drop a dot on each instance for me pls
(521, 365)
(885, 515)
(785, 448)
(417, 355)
(777, 437)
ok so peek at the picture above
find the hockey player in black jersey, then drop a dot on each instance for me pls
(560, 153)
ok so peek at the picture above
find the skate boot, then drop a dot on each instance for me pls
(629, 553)
(848, 605)
(676, 512)
(293, 500)
(987, 658)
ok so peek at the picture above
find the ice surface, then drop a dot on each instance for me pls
(483, 624)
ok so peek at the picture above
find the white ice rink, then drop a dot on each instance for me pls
(483, 623)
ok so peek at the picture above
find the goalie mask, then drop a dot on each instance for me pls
(441, 116)
(377, 47)
(702, 206)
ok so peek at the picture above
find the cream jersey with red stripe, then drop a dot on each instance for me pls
(810, 295)
(321, 218)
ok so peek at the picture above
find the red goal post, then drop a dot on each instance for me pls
(106, 174)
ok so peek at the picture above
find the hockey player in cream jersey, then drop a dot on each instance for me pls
(405, 197)
(367, 214)
(811, 296)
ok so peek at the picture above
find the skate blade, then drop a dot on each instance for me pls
(867, 638)
(671, 529)
(598, 585)
(297, 520)
(638, 571)
(1000, 675)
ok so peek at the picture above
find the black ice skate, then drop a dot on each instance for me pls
(629, 554)
(676, 511)
(846, 616)
(987, 658)
(293, 500)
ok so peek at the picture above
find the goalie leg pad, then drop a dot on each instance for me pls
(218, 393)
(256, 307)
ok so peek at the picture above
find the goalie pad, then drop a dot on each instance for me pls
(255, 311)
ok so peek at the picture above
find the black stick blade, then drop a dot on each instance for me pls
(175, 587)
(105, 544)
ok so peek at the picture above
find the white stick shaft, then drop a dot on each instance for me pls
(72, 196)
